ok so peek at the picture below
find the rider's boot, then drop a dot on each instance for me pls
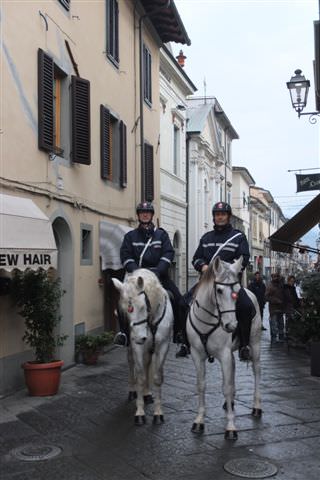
(120, 339)
(245, 311)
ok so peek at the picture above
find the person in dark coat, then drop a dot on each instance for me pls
(292, 302)
(149, 247)
(276, 297)
(258, 287)
(229, 244)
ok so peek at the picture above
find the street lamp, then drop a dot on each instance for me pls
(299, 87)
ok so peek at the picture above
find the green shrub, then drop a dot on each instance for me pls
(93, 343)
(304, 327)
(38, 297)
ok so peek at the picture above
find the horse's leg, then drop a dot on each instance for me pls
(198, 424)
(158, 360)
(256, 368)
(147, 395)
(131, 380)
(141, 374)
(228, 387)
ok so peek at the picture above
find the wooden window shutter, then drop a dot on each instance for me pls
(123, 155)
(45, 101)
(80, 94)
(148, 173)
(116, 31)
(105, 143)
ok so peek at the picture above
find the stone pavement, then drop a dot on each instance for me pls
(91, 422)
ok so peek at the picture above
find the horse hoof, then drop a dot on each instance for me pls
(224, 406)
(132, 396)
(139, 420)
(148, 399)
(197, 428)
(256, 412)
(231, 435)
(158, 419)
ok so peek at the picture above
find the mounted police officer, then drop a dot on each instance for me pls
(149, 247)
(229, 244)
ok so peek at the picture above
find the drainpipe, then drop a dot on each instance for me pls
(187, 211)
(141, 19)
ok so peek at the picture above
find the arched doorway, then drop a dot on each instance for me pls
(63, 237)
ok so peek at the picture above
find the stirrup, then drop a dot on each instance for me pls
(120, 339)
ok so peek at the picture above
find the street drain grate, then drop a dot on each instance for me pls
(36, 453)
(250, 468)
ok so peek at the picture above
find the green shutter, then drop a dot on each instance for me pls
(81, 146)
(45, 101)
(148, 173)
(105, 147)
(123, 155)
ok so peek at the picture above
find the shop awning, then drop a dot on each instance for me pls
(111, 236)
(26, 235)
(283, 240)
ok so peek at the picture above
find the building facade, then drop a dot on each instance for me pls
(80, 127)
(209, 179)
(175, 86)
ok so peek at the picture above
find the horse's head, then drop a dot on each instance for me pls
(225, 291)
(135, 306)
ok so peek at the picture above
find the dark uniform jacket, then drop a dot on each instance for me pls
(157, 257)
(258, 287)
(211, 241)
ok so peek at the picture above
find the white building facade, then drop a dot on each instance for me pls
(175, 86)
(209, 179)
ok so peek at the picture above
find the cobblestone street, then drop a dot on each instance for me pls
(92, 423)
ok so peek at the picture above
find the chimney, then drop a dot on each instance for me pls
(181, 58)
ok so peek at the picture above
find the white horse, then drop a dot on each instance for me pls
(147, 308)
(210, 325)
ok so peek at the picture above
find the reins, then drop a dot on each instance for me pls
(152, 326)
(204, 337)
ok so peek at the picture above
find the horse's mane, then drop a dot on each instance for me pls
(207, 278)
(152, 285)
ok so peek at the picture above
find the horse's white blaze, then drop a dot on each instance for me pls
(214, 296)
(144, 302)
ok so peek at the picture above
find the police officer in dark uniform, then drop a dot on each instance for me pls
(209, 244)
(150, 247)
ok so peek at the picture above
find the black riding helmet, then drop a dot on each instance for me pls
(145, 207)
(221, 207)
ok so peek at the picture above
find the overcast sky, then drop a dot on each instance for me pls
(246, 51)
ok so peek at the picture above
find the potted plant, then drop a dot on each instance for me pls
(38, 296)
(89, 347)
(304, 328)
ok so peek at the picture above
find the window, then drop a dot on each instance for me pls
(176, 149)
(86, 244)
(113, 31)
(113, 148)
(147, 179)
(65, 3)
(147, 76)
(54, 113)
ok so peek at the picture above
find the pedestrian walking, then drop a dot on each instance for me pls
(292, 302)
(276, 298)
(258, 287)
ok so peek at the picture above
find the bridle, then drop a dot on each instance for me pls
(204, 337)
(152, 326)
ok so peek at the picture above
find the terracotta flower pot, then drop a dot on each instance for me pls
(90, 357)
(42, 379)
